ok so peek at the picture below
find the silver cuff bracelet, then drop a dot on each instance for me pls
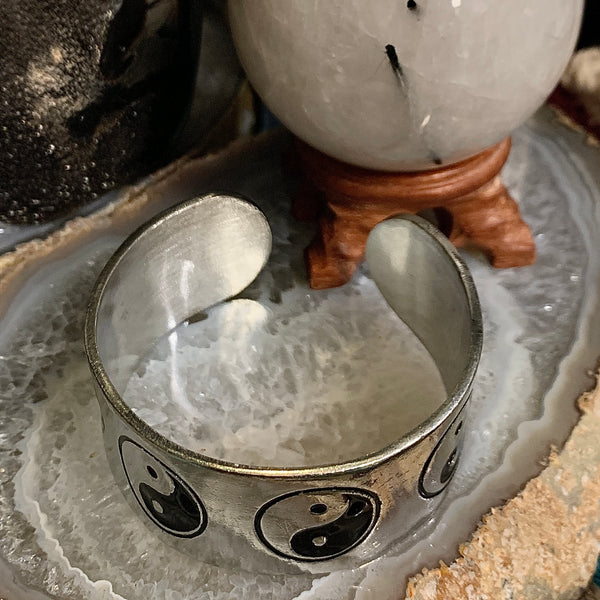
(263, 519)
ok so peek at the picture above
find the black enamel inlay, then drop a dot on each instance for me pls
(449, 467)
(448, 447)
(180, 513)
(318, 509)
(332, 539)
(177, 511)
(327, 540)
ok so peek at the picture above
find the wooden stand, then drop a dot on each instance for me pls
(471, 203)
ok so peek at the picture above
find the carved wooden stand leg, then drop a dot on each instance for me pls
(339, 246)
(352, 201)
(490, 219)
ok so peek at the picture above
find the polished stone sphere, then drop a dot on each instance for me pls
(396, 85)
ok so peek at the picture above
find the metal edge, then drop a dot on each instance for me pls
(362, 464)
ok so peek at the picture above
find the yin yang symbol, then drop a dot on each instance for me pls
(165, 498)
(442, 463)
(317, 524)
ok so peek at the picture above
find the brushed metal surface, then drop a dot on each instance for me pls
(279, 520)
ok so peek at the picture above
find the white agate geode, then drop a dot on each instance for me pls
(467, 73)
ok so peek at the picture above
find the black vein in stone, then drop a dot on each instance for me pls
(390, 51)
(435, 158)
(392, 55)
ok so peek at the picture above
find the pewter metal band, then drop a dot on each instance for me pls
(275, 520)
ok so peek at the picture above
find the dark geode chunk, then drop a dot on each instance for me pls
(91, 94)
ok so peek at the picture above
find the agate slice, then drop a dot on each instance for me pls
(65, 529)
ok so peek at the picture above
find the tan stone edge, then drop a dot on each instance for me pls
(543, 543)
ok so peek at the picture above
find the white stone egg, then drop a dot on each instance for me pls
(400, 86)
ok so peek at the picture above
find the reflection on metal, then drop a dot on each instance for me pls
(207, 250)
(443, 461)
